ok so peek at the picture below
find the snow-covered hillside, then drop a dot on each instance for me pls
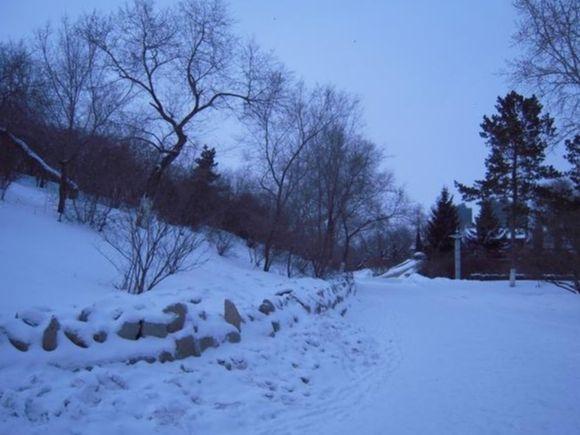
(410, 355)
(60, 265)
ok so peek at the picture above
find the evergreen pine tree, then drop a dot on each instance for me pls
(204, 192)
(443, 223)
(204, 173)
(573, 157)
(517, 137)
(558, 211)
(487, 227)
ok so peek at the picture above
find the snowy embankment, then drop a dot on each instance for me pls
(59, 297)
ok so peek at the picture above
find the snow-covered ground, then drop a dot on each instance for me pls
(411, 355)
(470, 358)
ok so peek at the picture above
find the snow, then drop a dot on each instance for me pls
(411, 355)
(472, 357)
(37, 249)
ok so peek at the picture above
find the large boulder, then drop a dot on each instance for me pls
(233, 337)
(180, 311)
(232, 315)
(75, 337)
(165, 356)
(22, 346)
(130, 330)
(186, 346)
(31, 317)
(100, 336)
(153, 329)
(49, 337)
(302, 304)
(267, 307)
(17, 335)
(84, 315)
(207, 342)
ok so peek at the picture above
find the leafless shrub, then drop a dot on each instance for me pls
(301, 265)
(89, 210)
(149, 252)
(222, 240)
(256, 252)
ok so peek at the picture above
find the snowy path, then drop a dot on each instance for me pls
(477, 358)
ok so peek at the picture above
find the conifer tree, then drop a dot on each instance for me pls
(204, 173)
(517, 137)
(487, 227)
(573, 157)
(204, 191)
(443, 223)
(557, 209)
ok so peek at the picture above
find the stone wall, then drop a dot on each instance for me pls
(179, 330)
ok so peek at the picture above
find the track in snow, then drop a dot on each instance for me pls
(474, 357)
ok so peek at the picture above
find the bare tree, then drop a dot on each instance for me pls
(282, 129)
(150, 251)
(183, 61)
(83, 98)
(21, 89)
(549, 34)
(342, 194)
(329, 187)
(375, 200)
(67, 62)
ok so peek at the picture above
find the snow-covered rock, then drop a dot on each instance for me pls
(232, 315)
(50, 335)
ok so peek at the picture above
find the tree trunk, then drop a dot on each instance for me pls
(513, 218)
(154, 179)
(268, 244)
(268, 251)
(327, 250)
(289, 264)
(62, 189)
(346, 253)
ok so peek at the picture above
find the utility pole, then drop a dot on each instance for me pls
(457, 238)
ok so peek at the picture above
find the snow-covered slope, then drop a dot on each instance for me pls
(60, 266)
(46, 263)
(56, 272)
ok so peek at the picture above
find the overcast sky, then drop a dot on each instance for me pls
(425, 70)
